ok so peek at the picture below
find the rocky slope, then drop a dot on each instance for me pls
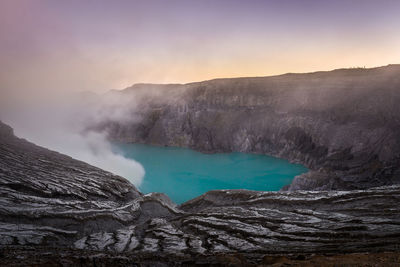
(56, 208)
(47, 198)
(344, 124)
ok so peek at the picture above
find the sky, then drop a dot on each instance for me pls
(97, 45)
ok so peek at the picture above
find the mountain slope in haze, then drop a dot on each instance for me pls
(344, 125)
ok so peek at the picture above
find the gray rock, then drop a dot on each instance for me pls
(49, 198)
(52, 203)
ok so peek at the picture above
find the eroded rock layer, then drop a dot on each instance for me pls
(51, 202)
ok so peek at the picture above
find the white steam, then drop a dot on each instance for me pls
(63, 124)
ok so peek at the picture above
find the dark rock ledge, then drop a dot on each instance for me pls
(55, 210)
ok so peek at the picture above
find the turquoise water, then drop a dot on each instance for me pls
(184, 174)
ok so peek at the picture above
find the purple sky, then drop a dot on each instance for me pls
(99, 44)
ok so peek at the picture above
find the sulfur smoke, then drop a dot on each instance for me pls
(63, 123)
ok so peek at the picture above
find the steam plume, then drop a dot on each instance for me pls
(62, 123)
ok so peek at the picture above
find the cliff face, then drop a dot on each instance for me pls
(344, 125)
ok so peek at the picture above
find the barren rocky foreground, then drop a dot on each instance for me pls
(55, 210)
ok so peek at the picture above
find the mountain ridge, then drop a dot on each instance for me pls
(350, 69)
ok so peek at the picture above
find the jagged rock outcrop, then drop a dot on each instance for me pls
(344, 124)
(51, 204)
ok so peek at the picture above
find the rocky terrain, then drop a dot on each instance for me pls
(344, 125)
(55, 210)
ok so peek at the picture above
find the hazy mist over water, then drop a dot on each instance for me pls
(63, 123)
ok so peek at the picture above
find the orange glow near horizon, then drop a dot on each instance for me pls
(102, 45)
